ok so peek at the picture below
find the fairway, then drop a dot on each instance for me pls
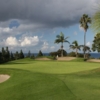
(50, 80)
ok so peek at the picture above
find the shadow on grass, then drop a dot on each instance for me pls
(13, 63)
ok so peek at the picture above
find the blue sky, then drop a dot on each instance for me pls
(33, 24)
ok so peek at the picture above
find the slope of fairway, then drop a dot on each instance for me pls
(25, 85)
(85, 85)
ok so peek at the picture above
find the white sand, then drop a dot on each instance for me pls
(94, 60)
(4, 78)
(43, 58)
(66, 58)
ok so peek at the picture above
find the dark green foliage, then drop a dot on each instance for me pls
(58, 53)
(61, 39)
(80, 55)
(32, 57)
(1, 60)
(73, 54)
(16, 55)
(12, 56)
(21, 55)
(53, 53)
(7, 54)
(3, 54)
(96, 43)
(29, 54)
(75, 46)
(40, 54)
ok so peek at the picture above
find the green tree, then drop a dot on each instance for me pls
(75, 46)
(3, 54)
(40, 54)
(11, 56)
(21, 55)
(1, 59)
(32, 57)
(87, 49)
(16, 55)
(96, 43)
(29, 54)
(7, 54)
(84, 21)
(96, 21)
(61, 39)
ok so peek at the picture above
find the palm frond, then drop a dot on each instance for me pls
(96, 21)
(57, 41)
(66, 41)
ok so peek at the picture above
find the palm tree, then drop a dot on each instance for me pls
(75, 46)
(86, 49)
(60, 39)
(84, 23)
(96, 20)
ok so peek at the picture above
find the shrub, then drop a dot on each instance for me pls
(72, 54)
(40, 54)
(32, 57)
(58, 53)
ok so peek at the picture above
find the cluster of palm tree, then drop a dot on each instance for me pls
(85, 20)
(75, 46)
(84, 24)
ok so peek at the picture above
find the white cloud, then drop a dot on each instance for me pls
(88, 43)
(45, 46)
(12, 41)
(52, 47)
(5, 30)
(27, 41)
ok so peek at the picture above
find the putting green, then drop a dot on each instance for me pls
(51, 67)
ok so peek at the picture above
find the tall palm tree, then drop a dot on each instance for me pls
(75, 46)
(84, 23)
(61, 39)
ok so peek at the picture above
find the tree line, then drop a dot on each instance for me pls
(6, 55)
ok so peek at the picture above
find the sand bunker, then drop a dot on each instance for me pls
(3, 78)
(43, 59)
(94, 60)
(66, 58)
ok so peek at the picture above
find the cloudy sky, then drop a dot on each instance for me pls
(33, 24)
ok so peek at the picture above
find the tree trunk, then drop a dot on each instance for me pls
(62, 50)
(76, 52)
(84, 44)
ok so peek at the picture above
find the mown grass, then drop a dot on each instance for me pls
(50, 80)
